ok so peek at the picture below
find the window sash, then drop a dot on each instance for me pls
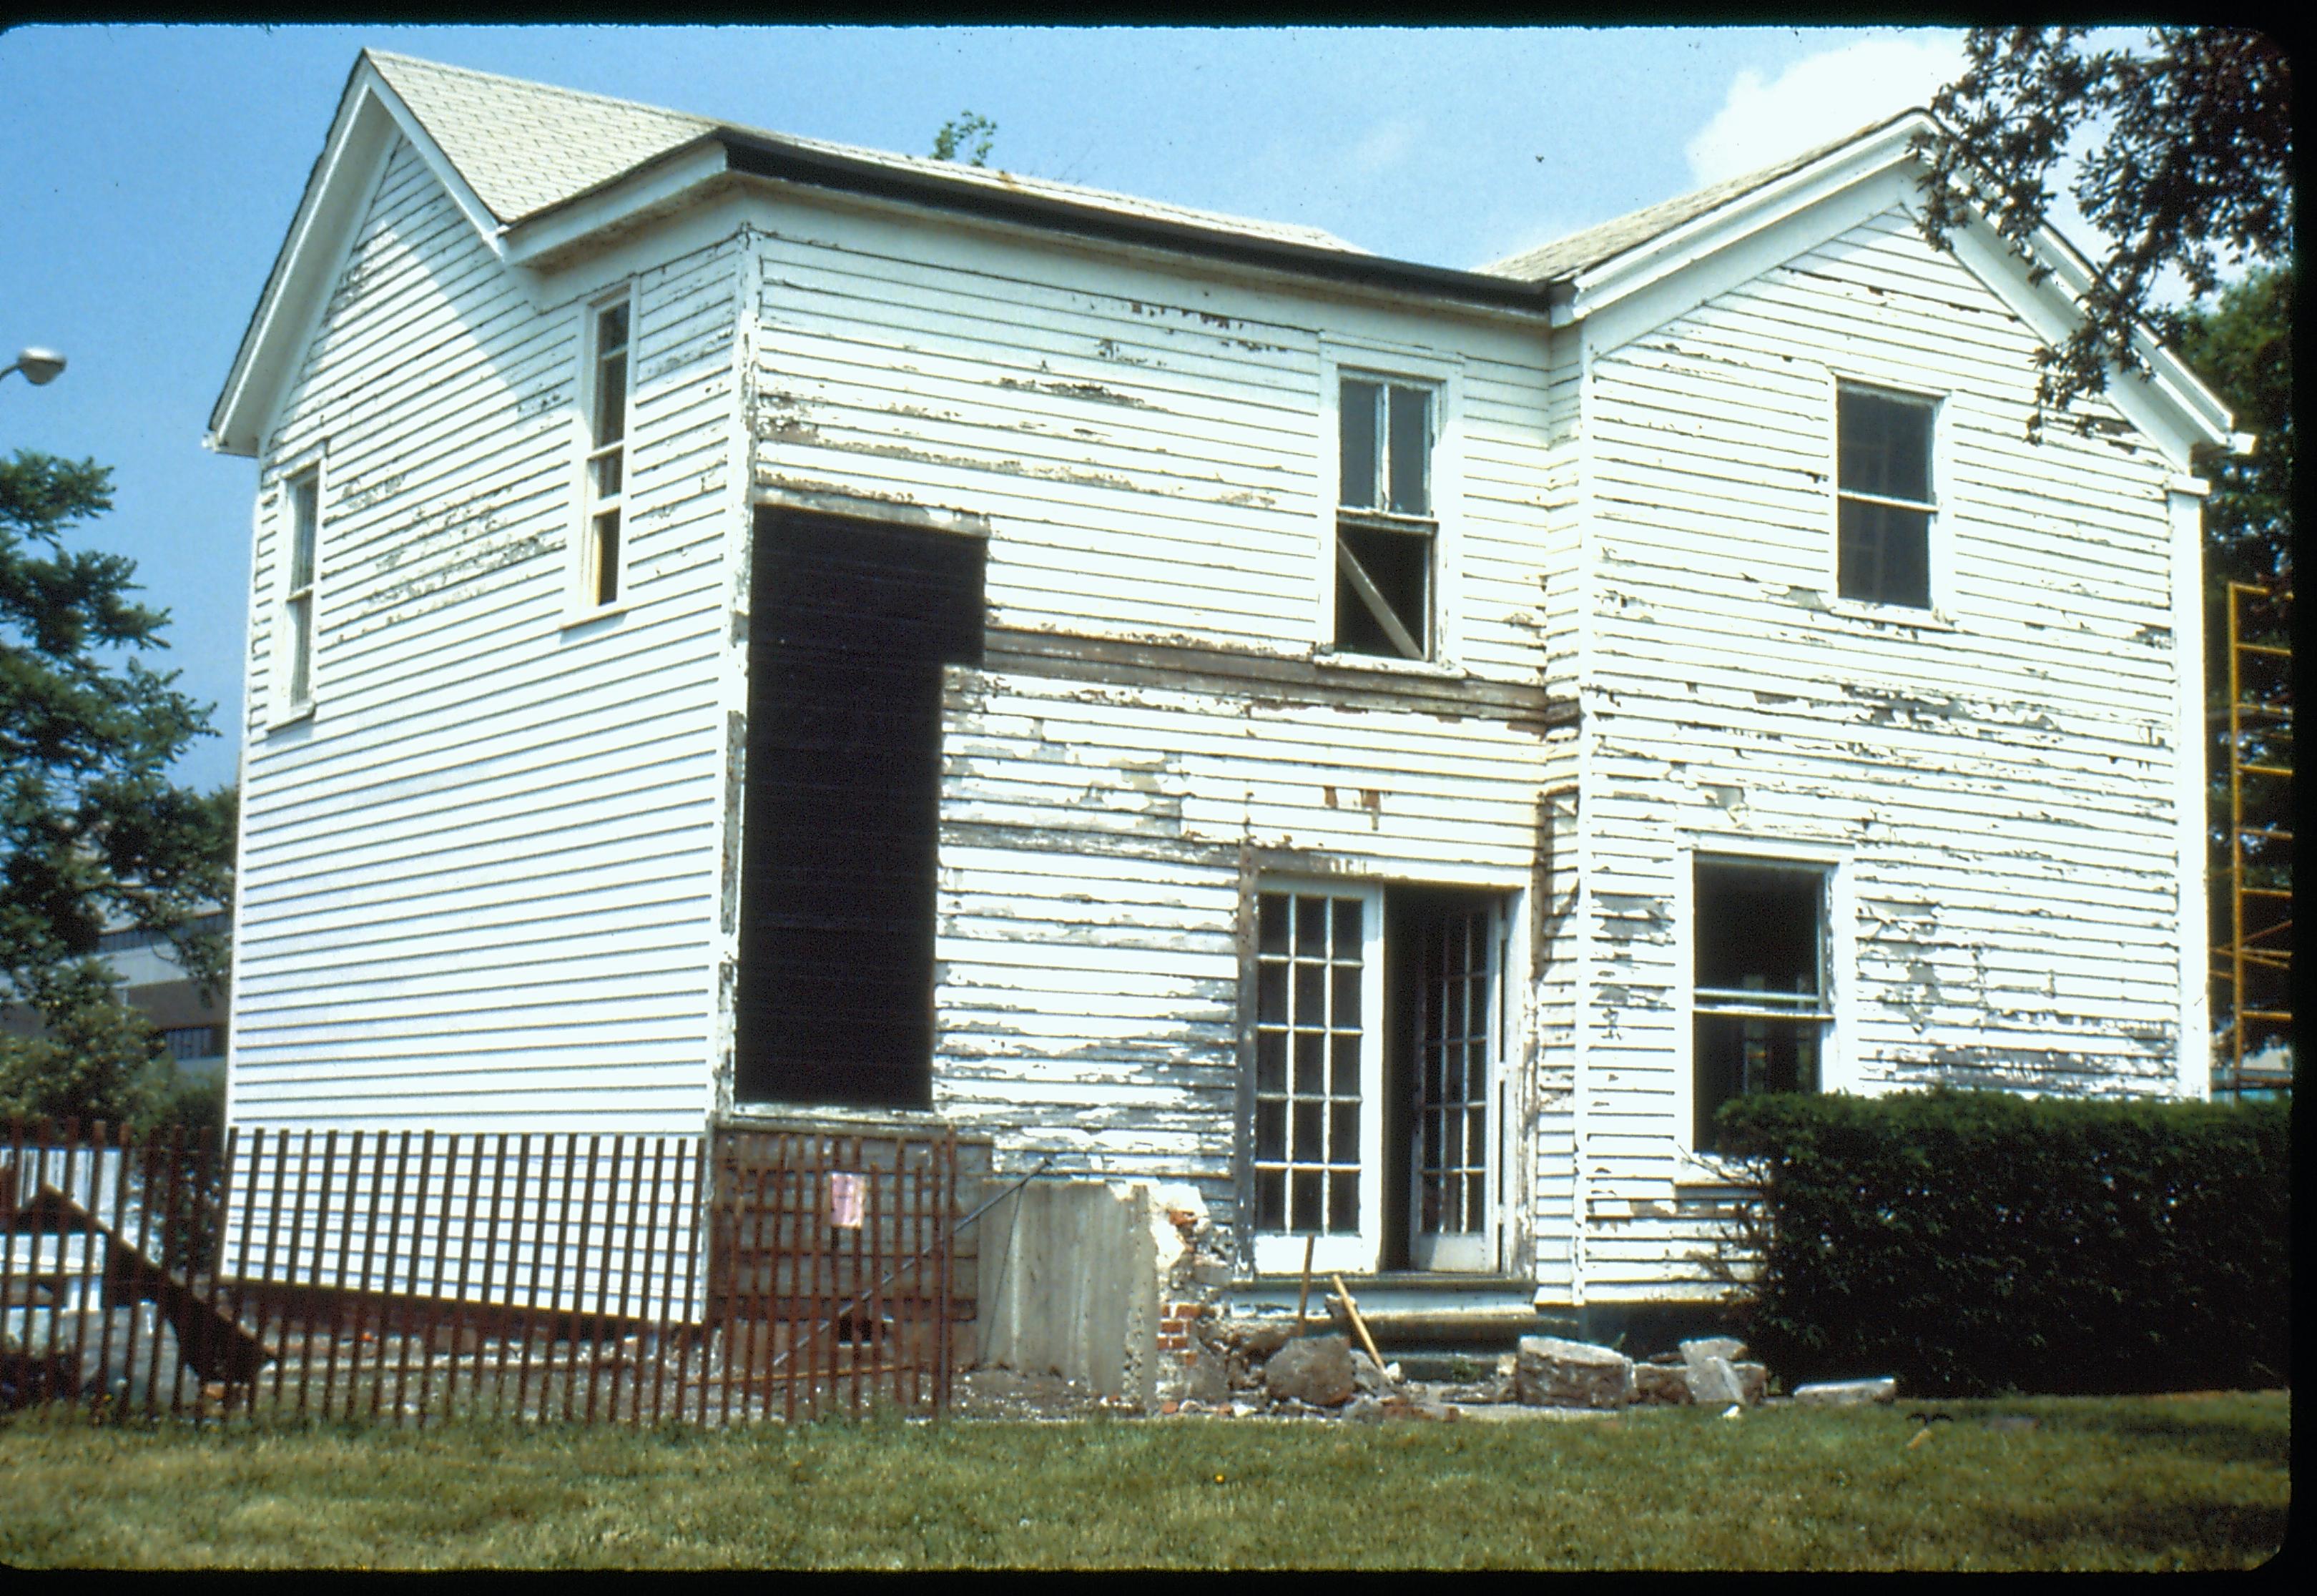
(604, 465)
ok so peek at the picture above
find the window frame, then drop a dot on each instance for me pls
(1936, 561)
(586, 602)
(1837, 965)
(1392, 366)
(296, 650)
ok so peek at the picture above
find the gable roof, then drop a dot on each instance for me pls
(1575, 252)
(525, 149)
(539, 170)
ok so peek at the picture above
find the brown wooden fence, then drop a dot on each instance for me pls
(406, 1275)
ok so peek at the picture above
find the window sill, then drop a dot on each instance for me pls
(296, 715)
(1348, 661)
(576, 619)
(1891, 615)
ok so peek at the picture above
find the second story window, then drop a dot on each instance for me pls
(303, 495)
(1387, 530)
(601, 552)
(1883, 464)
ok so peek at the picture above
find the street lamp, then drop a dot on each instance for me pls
(39, 366)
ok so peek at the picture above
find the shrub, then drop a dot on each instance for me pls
(1973, 1242)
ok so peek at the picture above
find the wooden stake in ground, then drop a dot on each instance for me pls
(1352, 1312)
(1304, 1293)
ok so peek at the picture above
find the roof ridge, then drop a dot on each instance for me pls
(535, 87)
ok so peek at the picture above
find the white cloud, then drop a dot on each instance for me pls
(1821, 98)
(1384, 145)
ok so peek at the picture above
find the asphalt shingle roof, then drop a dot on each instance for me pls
(1565, 257)
(526, 147)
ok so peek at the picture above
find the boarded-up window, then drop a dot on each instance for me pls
(1883, 458)
(1760, 1000)
(850, 625)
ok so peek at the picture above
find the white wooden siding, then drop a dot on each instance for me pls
(2001, 778)
(479, 887)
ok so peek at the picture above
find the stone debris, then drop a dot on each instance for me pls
(1847, 1393)
(1551, 1372)
(1316, 1371)
(1729, 1349)
(1661, 1384)
(1712, 1381)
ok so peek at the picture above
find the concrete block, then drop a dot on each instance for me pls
(1848, 1393)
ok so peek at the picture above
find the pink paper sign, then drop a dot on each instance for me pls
(845, 1194)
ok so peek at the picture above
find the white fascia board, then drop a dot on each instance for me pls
(1598, 288)
(661, 186)
(370, 116)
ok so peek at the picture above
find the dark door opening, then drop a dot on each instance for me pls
(1444, 1019)
(851, 624)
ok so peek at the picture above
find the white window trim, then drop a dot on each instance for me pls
(1443, 374)
(1282, 1253)
(288, 710)
(579, 603)
(1939, 550)
(1838, 1069)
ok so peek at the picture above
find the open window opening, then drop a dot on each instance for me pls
(1760, 1001)
(1386, 528)
(1379, 1021)
(1885, 498)
(851, 624)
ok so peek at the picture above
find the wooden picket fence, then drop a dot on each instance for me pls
(410, 1275)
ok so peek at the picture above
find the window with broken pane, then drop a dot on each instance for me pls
(1761, 997)
(1883, 488)
(1310, 952)
(1386, 533)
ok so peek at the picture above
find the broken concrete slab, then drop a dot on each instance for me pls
(1848, 1393)
(1372, 1380)
(1315, 1370)
(1550, 1372)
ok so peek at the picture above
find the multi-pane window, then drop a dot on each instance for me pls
(1386, 526)
(607, 433)
(1309, 1026)
(1884, 490)
(304, 497)
(1761, 1002)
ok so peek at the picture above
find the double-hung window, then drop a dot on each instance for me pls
(1760, 1004)
(303, 496)
(602, 534)
(1883, 494)
(1387, 527)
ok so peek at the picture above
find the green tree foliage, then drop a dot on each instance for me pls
(92, 830)
(2187, 165)
(969, 131)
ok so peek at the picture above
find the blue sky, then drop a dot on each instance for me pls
(151, 172)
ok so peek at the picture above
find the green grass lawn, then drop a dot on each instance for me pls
(2123, 1482)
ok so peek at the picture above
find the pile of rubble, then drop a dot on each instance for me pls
(1272, 1366)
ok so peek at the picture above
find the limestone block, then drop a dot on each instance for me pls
(1713, 1382)
(1755, 1378)
(1315, 1370)
(1659, 1383)
(1848, 1393)
(1728, 1348)
(1550, 1372)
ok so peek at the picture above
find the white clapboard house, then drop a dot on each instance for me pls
(745, 626)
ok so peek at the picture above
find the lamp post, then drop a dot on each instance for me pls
(39, 366)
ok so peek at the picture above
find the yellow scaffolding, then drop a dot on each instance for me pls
(2255, 964)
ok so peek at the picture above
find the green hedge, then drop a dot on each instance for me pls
(1971, 1243)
